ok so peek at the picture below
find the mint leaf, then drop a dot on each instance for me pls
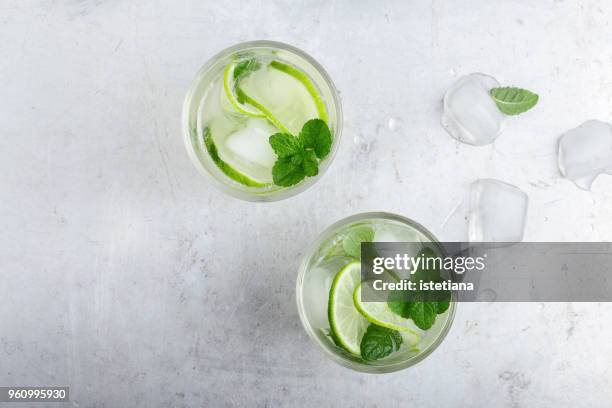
(421, 310)
(316, 135)
(310, 164)
(422, 313)
(399, 308)
(288, 171)
(297, 159)
(398, 303)
(285, 145)
(442, 306)
(352, 242)
(514, 101)
(378, 342)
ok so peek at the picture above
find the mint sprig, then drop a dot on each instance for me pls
(299, 157)
(378, 342)
(514, 101)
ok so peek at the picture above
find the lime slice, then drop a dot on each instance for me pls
(233, 170)
(229, 85)
(347, 324)
(305, 80)
(380, 314)
(252, 107)
(227, 168)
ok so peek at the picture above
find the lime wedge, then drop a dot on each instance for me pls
(380, 314)
(347, 324)
(229, 85)
(305, 80)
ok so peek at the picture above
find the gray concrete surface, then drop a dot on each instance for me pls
(129, 278)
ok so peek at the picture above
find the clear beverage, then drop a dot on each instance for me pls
(334, 252)
(246, 94)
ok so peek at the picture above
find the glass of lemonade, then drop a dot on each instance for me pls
(335, 317)
(243, 96)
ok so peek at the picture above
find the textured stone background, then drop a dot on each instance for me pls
(130, 279)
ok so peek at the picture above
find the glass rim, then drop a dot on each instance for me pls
(365, 368)
(283, 192)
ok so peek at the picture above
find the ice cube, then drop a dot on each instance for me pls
(248, 150)
(252, 143)
(585, 152)
(498, 212)
(470, 113)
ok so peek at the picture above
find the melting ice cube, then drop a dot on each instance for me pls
(585, 152)
(470, 113)
(498, 212)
